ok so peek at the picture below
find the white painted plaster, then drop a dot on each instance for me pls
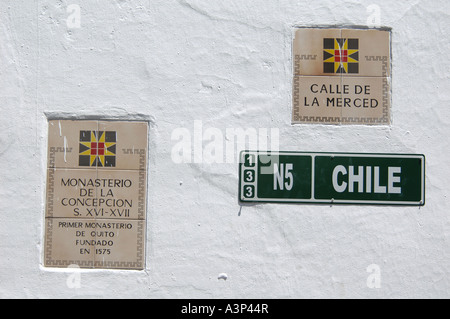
(227, 64)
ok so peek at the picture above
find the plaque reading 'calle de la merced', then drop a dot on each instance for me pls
(341, 76)
(96, 194)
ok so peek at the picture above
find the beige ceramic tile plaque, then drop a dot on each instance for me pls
(341, 76)
(96, 194)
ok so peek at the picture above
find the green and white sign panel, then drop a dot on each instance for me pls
(332, 178)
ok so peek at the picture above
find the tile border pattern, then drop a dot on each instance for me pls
(48, 251)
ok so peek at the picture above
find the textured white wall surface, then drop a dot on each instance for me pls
(222, 64)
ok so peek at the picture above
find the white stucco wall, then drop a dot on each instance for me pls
(227, 64)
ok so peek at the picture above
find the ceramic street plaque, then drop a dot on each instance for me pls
(96, 194)
(341, 76)
(332, 178)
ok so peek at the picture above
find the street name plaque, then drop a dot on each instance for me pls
(332, 178)
(341, 76)
(96, 194)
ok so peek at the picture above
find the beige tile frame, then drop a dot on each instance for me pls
(306, 62)
(55, 256)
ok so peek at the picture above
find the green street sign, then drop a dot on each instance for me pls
(331, 178)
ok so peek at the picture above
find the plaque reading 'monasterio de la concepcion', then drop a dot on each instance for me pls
(96, 194)
(341, 76)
